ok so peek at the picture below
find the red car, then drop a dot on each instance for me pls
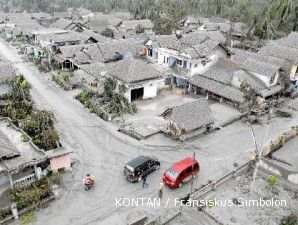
(181, 172)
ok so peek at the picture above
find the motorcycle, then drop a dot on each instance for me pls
(89, 182)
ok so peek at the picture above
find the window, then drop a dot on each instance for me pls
(189, 65)
(272, 79)
(188, 170)
(196, 166)
(179, 62)
(203, 62)
(196, 65)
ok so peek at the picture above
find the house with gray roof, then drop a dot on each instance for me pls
(189, 119)
(185, 56)
(140, 79)
(216, 82)
(132, 26)
(285, 49)
(20, 161)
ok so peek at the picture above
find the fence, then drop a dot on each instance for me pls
(24, 180)
(211, 186)
(166, 218)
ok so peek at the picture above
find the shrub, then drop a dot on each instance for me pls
(283, 114)
(272, 180)
(289, 220)
(27, 218)
(30, 195)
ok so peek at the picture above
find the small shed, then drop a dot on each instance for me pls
(189, 119)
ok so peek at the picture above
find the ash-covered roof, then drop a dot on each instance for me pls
(225, 90)
(7, 149)
(280, 51)
(256, 66)
(97, 37)
(133, 24)
(132, 71)
(70, 36)
(252, 81)
(94, 69)
(192, 115)
(222, 71)
(122, 46)
(290, 41)
(7, 72)
(62, 23)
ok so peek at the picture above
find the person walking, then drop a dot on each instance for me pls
(160, 190)
(144, 179)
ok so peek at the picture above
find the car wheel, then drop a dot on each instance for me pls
(180, 185)
(194, 176)
(157, 167)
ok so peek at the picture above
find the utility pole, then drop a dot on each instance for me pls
(193, 176)
(259, 152)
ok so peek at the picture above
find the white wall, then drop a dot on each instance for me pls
(266, 79)
(150, 91)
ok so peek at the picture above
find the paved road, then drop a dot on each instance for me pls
(100, 149)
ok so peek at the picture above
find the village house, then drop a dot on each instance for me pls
(81, 13)
(140, 79)
(185, 56)
(21, 162)
(216, 83)
(71, 57)
(7, 72)
(228, 81)
(188, 120)
(42, 18)
(136, 26)
(286, 49)
(89, 77)
(66, 24)
(51, 41)
(190, 24)
(58, 15)
(100, 22)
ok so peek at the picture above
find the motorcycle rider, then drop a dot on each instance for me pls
(89, 180)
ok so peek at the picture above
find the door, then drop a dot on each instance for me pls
(137, 94)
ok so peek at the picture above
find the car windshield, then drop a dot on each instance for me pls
(129, 169)
(173, 174)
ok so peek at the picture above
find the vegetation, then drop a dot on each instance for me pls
(63, 81)
(283, 114)
(40, 127)
(111, 104)
(272, 180)
(27, 196)
(38, 124)
(27, 218)
(289, 220)
(5, 212)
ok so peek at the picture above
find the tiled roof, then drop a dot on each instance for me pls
(221, 89)
(132, 24)
(249, 80)
(7, 72)
(132, 71)
(62, 23)
(275, 49)
(7, 149)
(259, 67)
(222, 71)
(192, 115)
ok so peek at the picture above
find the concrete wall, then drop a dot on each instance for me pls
(266, 79)
(270, 166)
(150, 91)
